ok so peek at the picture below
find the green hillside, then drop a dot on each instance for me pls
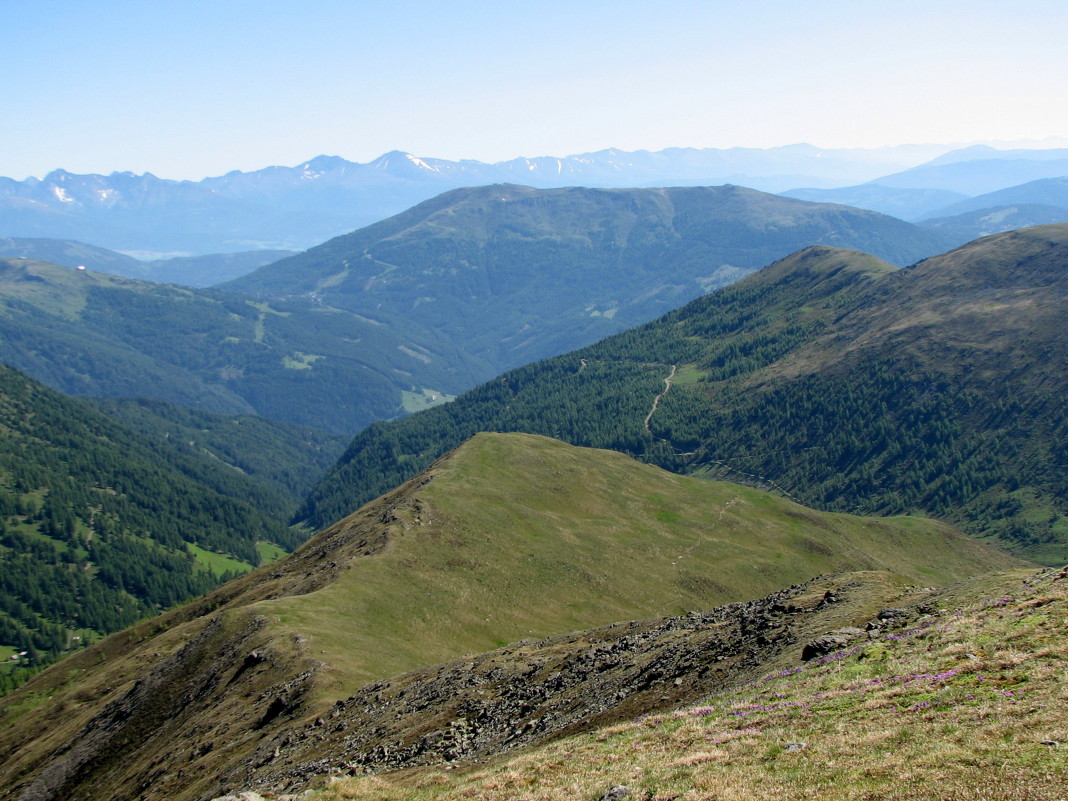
(512, 274)
(519, 536)
(299, 361)
(828, 377)
(284, 459)
(510, 537)
(97, 523)
(965, 703)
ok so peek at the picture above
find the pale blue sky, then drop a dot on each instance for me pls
(188, 89)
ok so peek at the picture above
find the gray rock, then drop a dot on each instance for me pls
(830, 642)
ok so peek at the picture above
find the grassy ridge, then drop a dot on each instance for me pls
(967, 703)
(519, 536)
(828, 376)
(511, 536)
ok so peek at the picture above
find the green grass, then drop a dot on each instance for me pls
(522, 536)
(688, 374)
(218, 563)
(417, 400)
(269, 552)
(961, 705)
(301, 361)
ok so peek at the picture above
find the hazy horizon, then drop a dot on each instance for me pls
(188, 91)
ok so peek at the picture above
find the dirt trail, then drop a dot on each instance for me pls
(656, 400)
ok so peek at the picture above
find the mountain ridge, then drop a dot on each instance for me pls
(228, 675)
(297, 207)
(475, 264)
(808, 388)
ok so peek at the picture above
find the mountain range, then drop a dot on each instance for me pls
(476, 593)
(1012, 188)
(690, 397)
(296, 207)
(418, 307)
(829, 376)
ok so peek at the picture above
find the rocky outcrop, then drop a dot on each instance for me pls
(535, 690)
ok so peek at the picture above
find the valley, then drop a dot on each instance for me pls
(833, 377)
(669, 490)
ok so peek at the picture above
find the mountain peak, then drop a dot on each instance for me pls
(324, 163)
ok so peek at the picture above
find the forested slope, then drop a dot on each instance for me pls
(512, 274)
(299, 361)
(97, 523)
(828, 376)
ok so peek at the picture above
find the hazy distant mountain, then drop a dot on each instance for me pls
(905, 203)
(974, 224)
(979, 176)
(968, 179)
(511, 274)
(194, 271)
(1034, 203)
(297, 207)
(1050, 192)
(986, 153)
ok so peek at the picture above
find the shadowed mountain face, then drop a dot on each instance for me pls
(829, 376)
(511, 537)
(513, 274)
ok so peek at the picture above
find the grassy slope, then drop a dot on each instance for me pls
(966, 704)
(520, 536)
(509, 535)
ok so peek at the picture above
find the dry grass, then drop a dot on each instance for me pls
(960, 706)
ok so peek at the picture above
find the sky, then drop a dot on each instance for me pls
(189, 89)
